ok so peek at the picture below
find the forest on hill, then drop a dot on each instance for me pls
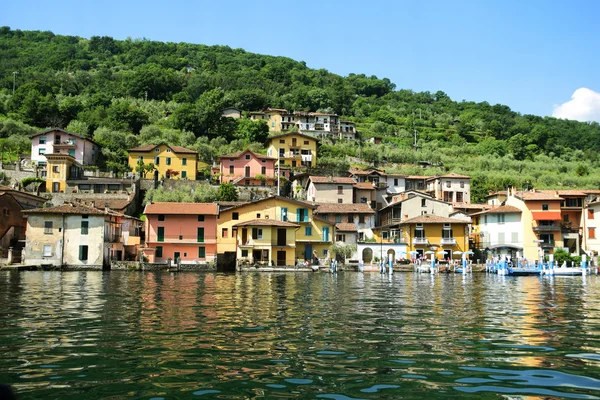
(124, 93)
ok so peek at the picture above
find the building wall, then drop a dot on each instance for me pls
(75, 238)
(164, 152)
(186, 227)
(413, 207)
(240, 164)
(86, 152)
(433, 233)
(462, 185)
(396, 184)
(305, 143)
(267, 242)
(11, 216)
(328, 193)
(496, 233)
(592, 244)
(59, 177)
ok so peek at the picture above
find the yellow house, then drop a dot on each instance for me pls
(293, 149)
(174, 162)
(274, 117)
(61, 167)
(273, 231)
(438, 234)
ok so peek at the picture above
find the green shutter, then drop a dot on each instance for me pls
(201, 252)
(298, 214)
(161, 234)
(158, 253)
(200, 235)
(326, 234)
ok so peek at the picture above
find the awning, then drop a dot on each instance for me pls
(546, 215)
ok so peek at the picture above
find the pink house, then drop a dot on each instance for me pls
(247, 168)
(58, 141)
(184, 231)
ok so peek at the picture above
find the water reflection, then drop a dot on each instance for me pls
(171, 335)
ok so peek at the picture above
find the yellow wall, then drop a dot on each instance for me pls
(433, 233)
(274, 121)
(275, 145)
(165, 152)
(60, 176)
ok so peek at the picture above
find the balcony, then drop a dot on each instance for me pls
(68, 144)
(547, 244)
(546, 228)
(420, 240)
(448, 242)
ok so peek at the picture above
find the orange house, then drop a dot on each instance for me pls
(184, 231)
(247, 168)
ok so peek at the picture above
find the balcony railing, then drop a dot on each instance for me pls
(546, 228)
(448, 241)
(548, 244)
(420, 240)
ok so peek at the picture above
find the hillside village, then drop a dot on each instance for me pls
(79, 217)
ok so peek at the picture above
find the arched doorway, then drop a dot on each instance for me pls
(393, 253)
(367, 255)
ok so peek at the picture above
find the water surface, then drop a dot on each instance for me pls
(124, 335)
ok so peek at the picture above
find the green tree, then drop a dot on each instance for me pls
(251, 131)
(227, 192)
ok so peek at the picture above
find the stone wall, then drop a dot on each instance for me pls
(138, 266)
(16, 173)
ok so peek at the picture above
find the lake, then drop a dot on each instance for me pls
(141, 335)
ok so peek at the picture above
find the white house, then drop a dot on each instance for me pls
(58, 141)
(592, 223)
(500, 230)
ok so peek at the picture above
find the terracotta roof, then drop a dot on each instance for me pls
(291, 133)
(294, 201)
(581, 193)
(66, 209)
(418, 177)
(471, 206)
(358, 171)
(63, 131)
(238, 154)
(455, 176)
(498, 193)
(332, 179)
(181, 208)
(229, 204)
(539, 195)
(337, 208)
(500, 210)
(176, 149)
(267, 222)
(113, 204)
(345, 227)
(434, 219)
(364, 185)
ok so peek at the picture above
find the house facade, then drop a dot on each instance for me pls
(359, 215)
(12, 220)
(293, 150)
(441, 235)
(499, 230)
(330, 189)
(592, 231)
(181, 231)
(172, 162)
(315, 124)
(58, 141)
(247, 168)
(451, 188)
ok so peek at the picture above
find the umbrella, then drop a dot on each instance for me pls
(469, 252)
(457, 252)
(429, 252)
(442, 252)
(414, 252)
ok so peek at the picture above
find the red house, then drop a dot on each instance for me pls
(247, 168)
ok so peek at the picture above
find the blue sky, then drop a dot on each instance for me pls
(530, 55)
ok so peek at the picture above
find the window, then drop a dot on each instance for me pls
(501, 238)
(235, 216)
(263, 170)
(156, 150)
(462, 184)
(160, 234)
(168, 150)
(363, 200)
(306, 141)
(326, 234)
(168, 160)
(200, 217)
(55, 169)
(272, 124)
(184, 161)
(248, 156)
(84, 227)
(257, 233)
(565, 218)
(257, 216)
(340, 201)
(43, 140)
(591, 233)
(183, 174)
(448, 184)
(500, 218)
(201, 252)
(350, 218)
(244, 253)
(48, 227)
(114, 187)
(284, 213)
(361, 219)
(338, 218)
(224, 233)
(423, 202)
(590, 213)
(47, 250)
(200, 235)
(83, 253)
(485, 219)
(395, 181)
(231, 169)
(158, 253)
(41, 152)
(308, 231)
(161, 217)
(385, 235)
(340, 238)
(281, 141)
(545, 207)
(156, 160)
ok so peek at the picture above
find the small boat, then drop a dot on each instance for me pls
(565, 271)
(524, 271)
(423, 268)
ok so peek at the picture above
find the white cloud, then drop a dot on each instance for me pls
(583, 106)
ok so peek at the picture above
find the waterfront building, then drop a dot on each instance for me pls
(499, 230)
(184, 232)
(12, 220)
(273, 231)
(247, 168)
(171, 162)
(78, 236)
(293, 150)
(592, 231)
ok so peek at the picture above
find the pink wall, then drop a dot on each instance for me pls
(186, 227)
(85, 151)
(240, 165)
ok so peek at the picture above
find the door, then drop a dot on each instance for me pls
(281, 258)
(244, 236)
(307, 251)
(55, 187)
(281, 237)
(247, 172)
(176, 256)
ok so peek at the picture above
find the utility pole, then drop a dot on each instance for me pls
(278, 172)
(14, 81)
(414, 130)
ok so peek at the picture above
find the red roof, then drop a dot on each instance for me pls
(434, 219)
(364, 185)
(182, 208)
(66, 209)
(238, 154)
(176, 149)
(546, 215)
(267, 222)
(332, 179)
